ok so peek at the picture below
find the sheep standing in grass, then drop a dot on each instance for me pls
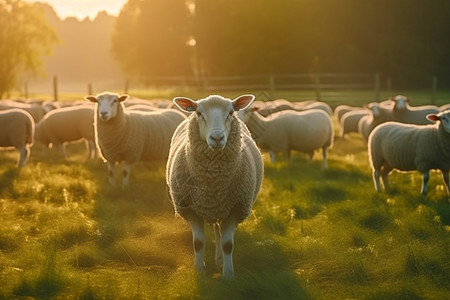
(378, 114)
(65, 125)
(408, 147)
(287, 130)
(131, 136)
(350, 120)
(404, 113)
(17, 130)
(214, 173)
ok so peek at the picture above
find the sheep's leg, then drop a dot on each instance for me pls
(384, 176)
(111, 169)
(92, 150)
(426, 177)
(272, 156)
(445, 176)
(125, 173)
(218, 239)
(62, 148)
(227, 247)
(325, 157)
(376, 180)
(198, 238)
(24, 153)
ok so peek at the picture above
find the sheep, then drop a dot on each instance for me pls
(267, 108)
(17, 130)
(408, 147)
(379, 114)
(404, 113)
(214, 173)
(131, 136)
(36, 110)
(349, 121)
(67, 124)
(307, 105)
(340, 110)
(287, 130)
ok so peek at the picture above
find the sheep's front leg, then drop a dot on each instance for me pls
(126, 167)
(426, 177)
(228, 229)
(376, 180)
(111, 171)
(325, 158)
(218, 239)
(198, 238)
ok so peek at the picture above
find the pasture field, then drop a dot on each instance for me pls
(313, 233)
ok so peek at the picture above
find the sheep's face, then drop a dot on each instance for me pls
(214, 116)
(444, 117)
(107, 104)
(401, 102)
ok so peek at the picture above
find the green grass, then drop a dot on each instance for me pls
(313, 234)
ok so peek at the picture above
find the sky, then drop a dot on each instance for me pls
(84, 8)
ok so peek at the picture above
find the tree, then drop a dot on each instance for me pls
(24, 37)
(150, 38)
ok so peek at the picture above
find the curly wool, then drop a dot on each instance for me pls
(213, 183)
(133, 136)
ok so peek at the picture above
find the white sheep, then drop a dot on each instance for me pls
(349, 121)
(379, 114)
(66, 125)
(131, 136)
(17, 130)
(307, 105)
(214, 173)
(284, 131)
(405, 113)
(340, 110)
(36, 110)
(408, 147)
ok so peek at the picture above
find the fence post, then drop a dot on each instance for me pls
(127, 85)
(377, 86)
(389, 84)
(272, 86)
(55, 88)
(317, 85)
(434, 89)
(89, 89)
(25, 87)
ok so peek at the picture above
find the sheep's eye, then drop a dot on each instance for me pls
(199, 114)
(231, 112)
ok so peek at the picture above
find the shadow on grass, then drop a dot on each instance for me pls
(262, 272)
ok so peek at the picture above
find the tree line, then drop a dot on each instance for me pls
(404, 39)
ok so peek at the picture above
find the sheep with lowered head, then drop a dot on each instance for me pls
(288, 130)
(408, 147)
(66, 125)
(404, 113)
(17, 130)
(214, 173)
(126, 137)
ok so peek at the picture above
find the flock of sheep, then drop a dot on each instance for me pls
(212, 146)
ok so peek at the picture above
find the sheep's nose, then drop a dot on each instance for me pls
(218, 137)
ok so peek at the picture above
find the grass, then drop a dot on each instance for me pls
(313, 234)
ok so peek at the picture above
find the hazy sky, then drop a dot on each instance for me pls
(83, 8)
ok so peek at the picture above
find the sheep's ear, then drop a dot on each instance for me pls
(433, 117)
(91, 98)
(185, 104)
(242, 102)
(123, 98)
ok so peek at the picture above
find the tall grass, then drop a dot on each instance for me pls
(313, 234)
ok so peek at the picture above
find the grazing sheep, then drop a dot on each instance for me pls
(378, 114)
(131, 136)
(408, 147)
(288, 130)
(307, 105)
(214, 173)
(340, 110)
(405, 113)
(349, 121)
(17, 130)
(66, 125)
